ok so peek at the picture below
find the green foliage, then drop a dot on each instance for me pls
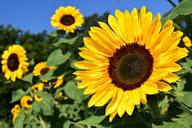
(92, 121)
(57, 58)
(20, 120)
(72, 91)
(16, 95)
(184, 8)
(65, 41)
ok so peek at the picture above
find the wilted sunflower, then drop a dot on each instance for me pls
(15, 111)
(57, 82)
(42, 69)
(14, 62)
(26, 102)
(67, 18)
(130, 58)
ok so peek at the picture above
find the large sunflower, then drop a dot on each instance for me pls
(130, 58)
(67, 18)
(14, 62)
(42, 69)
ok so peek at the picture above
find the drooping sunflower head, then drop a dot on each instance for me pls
(26, 102)
(38, 87)
(67, 18)
(130, 58)
(38, 98)
(42, 69)
(14, 62)
(57, 81)
(15, 111)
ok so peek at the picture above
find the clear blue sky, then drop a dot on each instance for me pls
(34, 15)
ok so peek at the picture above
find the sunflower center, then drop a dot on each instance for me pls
(53, 81)
(130, 66)
(67, 20)
(29, 102)
(44, 71)
(13, 62)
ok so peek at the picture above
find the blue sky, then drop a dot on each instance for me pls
(34, 15)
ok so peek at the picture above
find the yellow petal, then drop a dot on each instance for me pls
(149, 88)
(163, 86)
(112, 106)
(171, 77)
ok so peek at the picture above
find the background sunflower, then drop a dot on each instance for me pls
(14, 63)
(67, 18)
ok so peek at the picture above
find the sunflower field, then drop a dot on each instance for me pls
(127, 69)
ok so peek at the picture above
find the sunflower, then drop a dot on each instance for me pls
(132, 57)
(38, 98)
(38, 87)
(15, 111)
(14, 62)
(57, 82)
(26, 102)
(42, 69)
(67, 18)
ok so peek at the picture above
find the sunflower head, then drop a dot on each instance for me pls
(14, 62)
(67, 18)
(38, 87)
(58, 81)
(38, 98)
(42, 69)
(127, 59)
(26, 102)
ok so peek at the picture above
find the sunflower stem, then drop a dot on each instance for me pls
(154, 109)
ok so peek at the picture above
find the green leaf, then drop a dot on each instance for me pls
(72, 92)
(48, 76)
(186, 98)
(46, 104)
(57, 58)
(92, 121)
(65, 41)
(184, 121)
(184, 8)
(53, 34)
(66, 124)
(32, 62)
(4, 124)
(16, 95)
(20, 120)
(28, 78)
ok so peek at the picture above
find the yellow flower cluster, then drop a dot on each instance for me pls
(38, 87)
(58, 81)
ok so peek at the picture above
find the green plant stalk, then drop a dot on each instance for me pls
(42, 122)
(154, 109)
